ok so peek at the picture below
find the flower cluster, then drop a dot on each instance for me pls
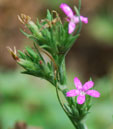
(53, 39)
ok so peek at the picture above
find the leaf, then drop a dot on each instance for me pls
(49, 16)
(21, 54)
(70, 43)
(38, 23)
(37, 49)
(32, 53)
(26, 34)
(37, 74)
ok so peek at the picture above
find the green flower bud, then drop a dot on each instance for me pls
(26, 20)
(28, 65)
(34, 29)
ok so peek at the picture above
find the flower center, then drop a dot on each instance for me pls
(82, 93)
(73, 20)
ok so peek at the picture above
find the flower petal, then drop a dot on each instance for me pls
(88, 85)
(83, 19)
(77, 83)
(72, 93)
(71, 27)
(67, 10)
(81, 99)
(93, 93)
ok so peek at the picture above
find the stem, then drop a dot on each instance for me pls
(79, 5)
(59, 99)
(71, 115)
(80, 23)
(61, 74)
(81, 126)
(75, 125)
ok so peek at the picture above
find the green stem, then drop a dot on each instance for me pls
(79, 5)
(62, 74)
(81, 126)
(75, 125)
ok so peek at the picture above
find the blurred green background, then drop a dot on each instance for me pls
(33, 100)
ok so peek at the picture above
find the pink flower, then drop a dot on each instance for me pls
(73, 19)
(81, 91)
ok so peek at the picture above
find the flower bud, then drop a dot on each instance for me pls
(28, 65)
(13, 53)
(34, 29)
(26, 20)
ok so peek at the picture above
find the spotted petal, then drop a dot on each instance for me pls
(93, 93)
(72, 93)
(77, 83)
(88, 85)
(67, 10)
(71, 27)
(81, 99)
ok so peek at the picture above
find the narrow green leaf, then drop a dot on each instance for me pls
(71, 42)
(31, 52)
(21, 54)
(41, 57)
(24, 33)
(49, 16)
